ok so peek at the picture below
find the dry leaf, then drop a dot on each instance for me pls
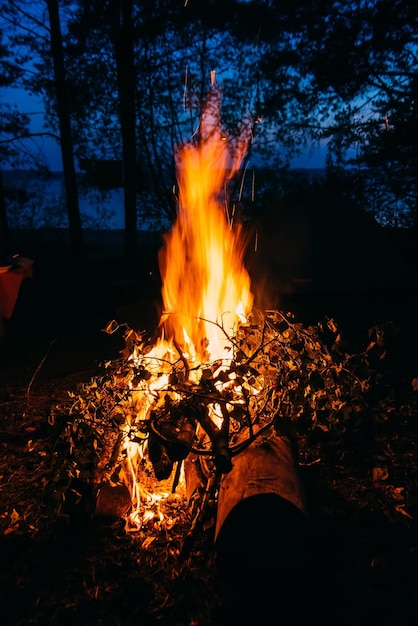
(379, 474)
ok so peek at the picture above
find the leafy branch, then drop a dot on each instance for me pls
(281, 377)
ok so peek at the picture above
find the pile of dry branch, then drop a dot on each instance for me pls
(349, 415)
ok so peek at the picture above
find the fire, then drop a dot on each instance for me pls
(206, 291)
(205, 286)
(160, 430)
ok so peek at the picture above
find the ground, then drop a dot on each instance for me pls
(361, 564)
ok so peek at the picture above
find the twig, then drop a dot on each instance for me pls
(36, 372)
(177, 476)
(199, 517)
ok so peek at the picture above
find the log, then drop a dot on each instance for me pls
(262, 526)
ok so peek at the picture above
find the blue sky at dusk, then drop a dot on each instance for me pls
(33, 106)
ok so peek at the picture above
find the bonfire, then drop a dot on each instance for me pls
(156, 434)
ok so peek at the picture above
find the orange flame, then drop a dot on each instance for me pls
(205, 286)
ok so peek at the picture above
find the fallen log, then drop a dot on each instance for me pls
(262, 525)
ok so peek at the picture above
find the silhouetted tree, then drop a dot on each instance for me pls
(12, 125)
(35, 28)
(315, 71)
(174, 54)
(354, 68)
(64, 117)
(123, 40)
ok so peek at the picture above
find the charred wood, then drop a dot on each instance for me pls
(158, 455)
(180, 446)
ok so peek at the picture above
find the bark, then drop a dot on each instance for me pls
(262, 522)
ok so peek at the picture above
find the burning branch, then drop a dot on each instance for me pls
(281, 378)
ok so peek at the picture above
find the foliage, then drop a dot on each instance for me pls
(348, 81)
(13, 123)
(282, 378)
(305, 74)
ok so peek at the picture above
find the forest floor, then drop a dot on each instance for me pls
(362, 566)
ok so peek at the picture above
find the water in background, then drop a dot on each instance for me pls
(37, 200)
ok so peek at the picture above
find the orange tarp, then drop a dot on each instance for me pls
(9, 290)
(10, 282)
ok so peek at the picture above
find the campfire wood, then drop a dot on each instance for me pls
(262, 520)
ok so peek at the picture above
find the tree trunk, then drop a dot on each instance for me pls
(67, 152)
(122, 28)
